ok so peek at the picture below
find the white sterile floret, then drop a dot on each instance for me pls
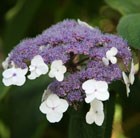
(14, 76)
(57, 70)
(54, 107)
(95, 89)
(84, 24)
(110, 56)
(95, 114)
(130, 79)
(37, 67)
(45, 95)
(5, 63)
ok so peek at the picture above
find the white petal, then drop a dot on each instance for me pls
(89, 86)
(46, 94)
(33, 75)
(24, 71)
(63, 69)
(20, 80)
(113, 60)
(37, 60)
(90, 117)
(57, 70)
(44, 108)
(132, 73)
(114, 51)
(102, 95)
(62, 107)
(42, 69)
(131, 78)
(89, 98)
(7, 82)
(105, 61)
(125, 78)
(102, 85)
(51, 74)
(99, 118)
(53, 101)
(14, 76)
(127, 89)
(96, 105)
(54, 117)
(5, 63)
(9, 73)
(97, 110)
(84, 24)
(56, 63)
(59, 76)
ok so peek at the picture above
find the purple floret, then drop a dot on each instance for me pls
(69, 39)
(24, 52)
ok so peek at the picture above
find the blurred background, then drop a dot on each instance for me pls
(19, 106)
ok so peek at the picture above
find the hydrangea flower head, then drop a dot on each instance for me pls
(83, 60)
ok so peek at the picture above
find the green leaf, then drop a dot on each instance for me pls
(79, 128)
(131, 111)
(4, 131)
(20, 109)
(19, 18)
(128, 28)
(125, 6)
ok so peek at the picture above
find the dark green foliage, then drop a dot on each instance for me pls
(128, 28)
(125, 6)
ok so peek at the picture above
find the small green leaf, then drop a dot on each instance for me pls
(128, 28)
(125, 6)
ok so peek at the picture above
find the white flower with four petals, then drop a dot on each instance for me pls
(54, 107)
(95, 114)
(130, 79)
(95, 89)
(37, 67)
(110, 56)
(14, 76)
(57, 70)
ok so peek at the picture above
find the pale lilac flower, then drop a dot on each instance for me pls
(130, 79)
(110, 56)
(54, 107)
(95, 89)
(37, 67)
(14, 76)
(95, 114)
(57, 70)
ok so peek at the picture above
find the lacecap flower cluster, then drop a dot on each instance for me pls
(82, 61)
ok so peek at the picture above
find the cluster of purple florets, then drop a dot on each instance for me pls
(81, 49)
